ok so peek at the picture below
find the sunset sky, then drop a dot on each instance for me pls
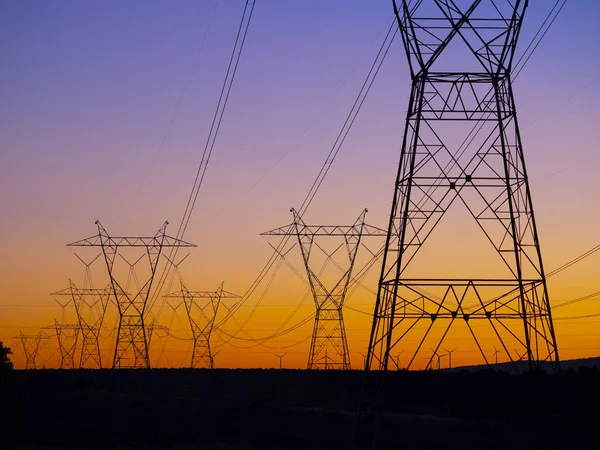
(104, 117)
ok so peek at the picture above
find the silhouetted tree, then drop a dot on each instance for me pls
(5, 361)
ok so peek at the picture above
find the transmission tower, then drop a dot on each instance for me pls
(67, 335)
(30, 344)
(202, 308)
(131, 349)
(90, 305)
(462, 152)
(329, 330)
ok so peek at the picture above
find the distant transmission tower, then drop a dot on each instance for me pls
(329, 331)
(462, 152)
(31, 345)
(67, 335)
(90, 305)
(131, 349)
(202, 308)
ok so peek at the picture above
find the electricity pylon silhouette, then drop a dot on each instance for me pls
(31, 345)
(90, 306)
(329, 329)
(67, 335)
(131, 349)
(462, 150)
(202, 308)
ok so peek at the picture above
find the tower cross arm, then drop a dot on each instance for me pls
(202, 294)
(328, 230)
(62, 326)
(71, 290)
(132, 241)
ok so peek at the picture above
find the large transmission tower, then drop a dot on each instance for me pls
(202, 308)
(462, 150)
(67, 335)
(131, 349)
(90, 305)
(329, 346)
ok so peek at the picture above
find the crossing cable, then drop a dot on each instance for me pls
(276, 332)
(519, 69)
(340, 139)
(577, 300)
(175, 111)
(211, 139)
(574, 261)
(270, 337)
(353, 285)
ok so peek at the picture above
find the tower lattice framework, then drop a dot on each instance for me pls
(329, 345)
(133, 337)
(462, 150)
(202, 308)
(31, 344)
(67, 336)
(90, 306)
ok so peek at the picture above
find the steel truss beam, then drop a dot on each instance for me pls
(131, 349)
(90, 325)
(329, 345)
(482, 169)
(202, 308)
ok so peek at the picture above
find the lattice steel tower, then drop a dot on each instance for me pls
(202, 308)
(329, 346)
(67, 335)
(131, 349)
(90, 306)
(462, 150)
(30, 344)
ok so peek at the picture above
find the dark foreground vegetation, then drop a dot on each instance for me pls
(293, 409)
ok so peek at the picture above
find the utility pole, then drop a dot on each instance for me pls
(462, 149)
(329, 331)
(131, 349)
(202, 308)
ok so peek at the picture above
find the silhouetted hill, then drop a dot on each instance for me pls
(523, 366)
(297, 409)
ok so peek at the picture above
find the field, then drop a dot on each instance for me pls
(296, 409)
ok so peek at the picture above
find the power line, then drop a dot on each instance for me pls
(577, 300)
(519, 69)
(574, 261)
(331, 156)
(212, 136)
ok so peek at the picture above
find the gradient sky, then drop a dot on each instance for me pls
(89, 90)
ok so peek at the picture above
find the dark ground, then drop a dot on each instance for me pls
(293, 409)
